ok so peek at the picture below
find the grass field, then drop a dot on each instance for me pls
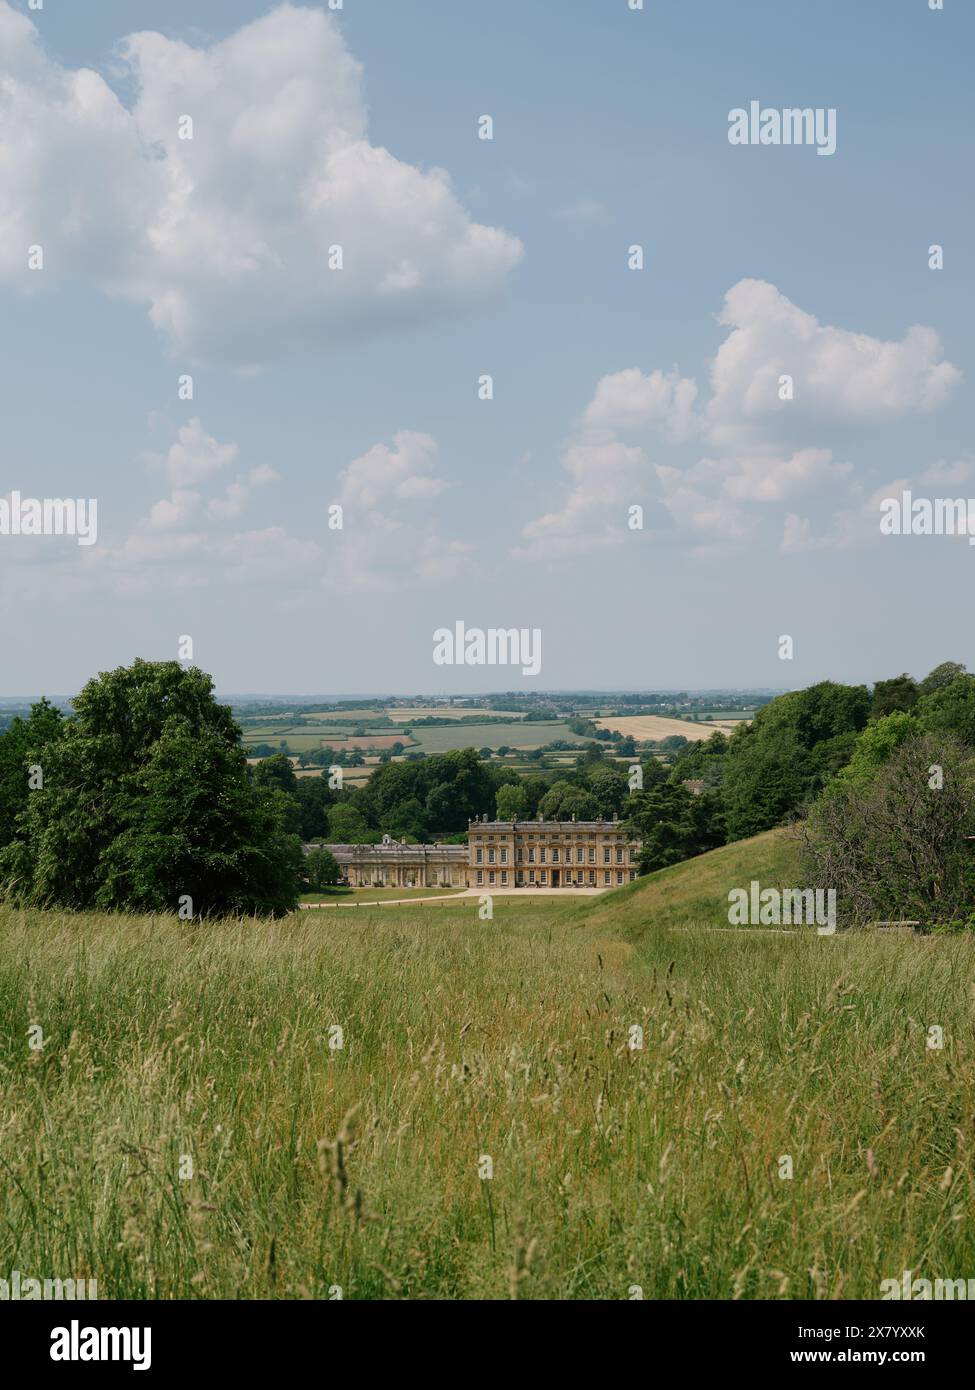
(440, 739)
(463, 1041)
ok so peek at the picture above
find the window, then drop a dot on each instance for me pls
(619, 856)
(541, 855)
(619, 875)
(491, 876)
(578, 856)
(555, 856)
(606, 876)
(544, 876)
(531, 856)
(521, 855)
(531, 875)
(592, 878)
(479, 856)
(605, 854)
(632, 875)
(592, 855)
(490, 856)
(504, 876)
(504, 855)
(480, 875)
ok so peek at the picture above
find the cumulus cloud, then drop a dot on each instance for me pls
(628, 401)
(762, 449)
(390, 535)
(604, 478)
(839, 377)
(228, 237)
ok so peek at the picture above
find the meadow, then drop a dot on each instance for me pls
(470, 1046)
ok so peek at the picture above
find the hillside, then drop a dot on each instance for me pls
(695, 893)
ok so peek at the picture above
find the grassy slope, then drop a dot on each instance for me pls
(695, 893)
(613, 1166)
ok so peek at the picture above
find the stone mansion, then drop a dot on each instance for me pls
(550, 854)
(499, 854)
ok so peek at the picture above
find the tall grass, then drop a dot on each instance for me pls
(357, 1167)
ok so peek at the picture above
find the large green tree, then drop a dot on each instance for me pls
(20, 748)
(147, 805)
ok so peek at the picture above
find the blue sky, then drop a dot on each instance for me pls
(612, 387)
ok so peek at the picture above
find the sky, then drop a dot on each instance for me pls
(635, 488)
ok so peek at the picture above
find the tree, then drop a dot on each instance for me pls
(610, 788)
(765, 779)
(321, 869)
(950, 709)
(674, 825)
(876, 744)
(147, 806)
(896, 845)
(347, 826)
(511, 803)
(791, 749)
(944, 674)
(20, 748)
(562, 801)
(314, 797)
(276, 771)
(900, 693)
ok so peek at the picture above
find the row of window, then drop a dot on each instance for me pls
(562, 835)
(503, 853)
(541, 880)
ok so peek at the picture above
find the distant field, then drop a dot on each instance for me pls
(441, 739)
(305, 739)
(654, 726)
(406, 716)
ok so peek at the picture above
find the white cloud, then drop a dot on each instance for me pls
(959, 471)
(606, 477)
(628, 401)
(845, 528)
(235, 498)
(194, 455)
(390, 534)
(762, 450)
(226, 236)
(404, 471)
(763, 479)
(839, 376)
